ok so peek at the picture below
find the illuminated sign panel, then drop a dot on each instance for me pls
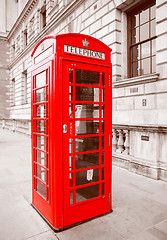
(84, 52)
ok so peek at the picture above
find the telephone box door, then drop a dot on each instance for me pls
(86, 141)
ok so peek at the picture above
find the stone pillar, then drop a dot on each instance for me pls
(114, 140)
(120, 142)
(126, 143)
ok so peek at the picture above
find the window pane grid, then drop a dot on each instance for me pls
(142, 36)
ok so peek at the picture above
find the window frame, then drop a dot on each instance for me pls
(134, 10)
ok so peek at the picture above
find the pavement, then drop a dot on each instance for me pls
(139, 203)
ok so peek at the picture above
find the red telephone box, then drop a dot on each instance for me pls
(71, 129)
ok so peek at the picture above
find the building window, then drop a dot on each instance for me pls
(43, 16)
(142, 45)
(25, 38)
(13, 50)
(24, 87)
(13, 93)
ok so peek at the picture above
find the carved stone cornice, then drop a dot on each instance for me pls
(136, 80)
(67, 10)
(22, 16)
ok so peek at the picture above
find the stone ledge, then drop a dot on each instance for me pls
(136, 167)
(136, 80)
(141, 128)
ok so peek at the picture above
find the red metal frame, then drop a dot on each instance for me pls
(55, 207)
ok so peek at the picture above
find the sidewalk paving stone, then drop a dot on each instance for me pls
(139, 203)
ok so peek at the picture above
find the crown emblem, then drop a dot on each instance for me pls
(85, 43)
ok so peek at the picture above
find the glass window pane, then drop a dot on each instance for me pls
(87, 160)
(41, 95)
(154, 64)
(87, 77)
(85, 177)
(144, 32)
(87, 111)
(41, 142)
(71, 74)
(102, 189)
(71, 198)
(135, 21)
(135, 53)
(153, 11)
(103, 173)
(154, 47)
(41, 173)
(70, 145)
(87, 94)
(103, 143)
(41, 111)
(135, 69)
(41, 79)
(41, 126)
(86, 127)
(102, 158)
(144, 16)
(41, 158)
(86, 144)
(145, 49)
(135, 35)
(71, 111)
(153, 28)
(145, 66)
(70, 93)
(41, 188)
(87, 193)
(103, 79)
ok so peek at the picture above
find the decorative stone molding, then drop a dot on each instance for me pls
(136, 80)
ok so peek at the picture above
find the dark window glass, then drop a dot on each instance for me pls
(83, 194)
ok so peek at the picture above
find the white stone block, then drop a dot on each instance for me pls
(111, 5)
(161, 56)
(95, 7)
(125, 103)
(118, 92)
(95, 26)
(108, 18)
(145, 149)
(149, 100)
(160, 2)
(102, 12)
(161, 13)
(121, 117)
(144, 117)
(161, 27)
(114, 104)
(150, 87)
(116, 58)
(102, 32)
(161, 42)
(162, 117)
(90, 20)
(162, 101)
(85, 14)
(104, 2)
(162, 70)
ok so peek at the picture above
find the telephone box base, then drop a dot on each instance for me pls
(70, 226)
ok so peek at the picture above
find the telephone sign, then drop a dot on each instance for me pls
(71, 129)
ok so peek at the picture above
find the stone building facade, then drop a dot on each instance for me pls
(136, 30)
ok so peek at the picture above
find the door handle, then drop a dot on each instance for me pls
(64, 128)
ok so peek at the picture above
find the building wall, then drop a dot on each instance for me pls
(139, 103)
